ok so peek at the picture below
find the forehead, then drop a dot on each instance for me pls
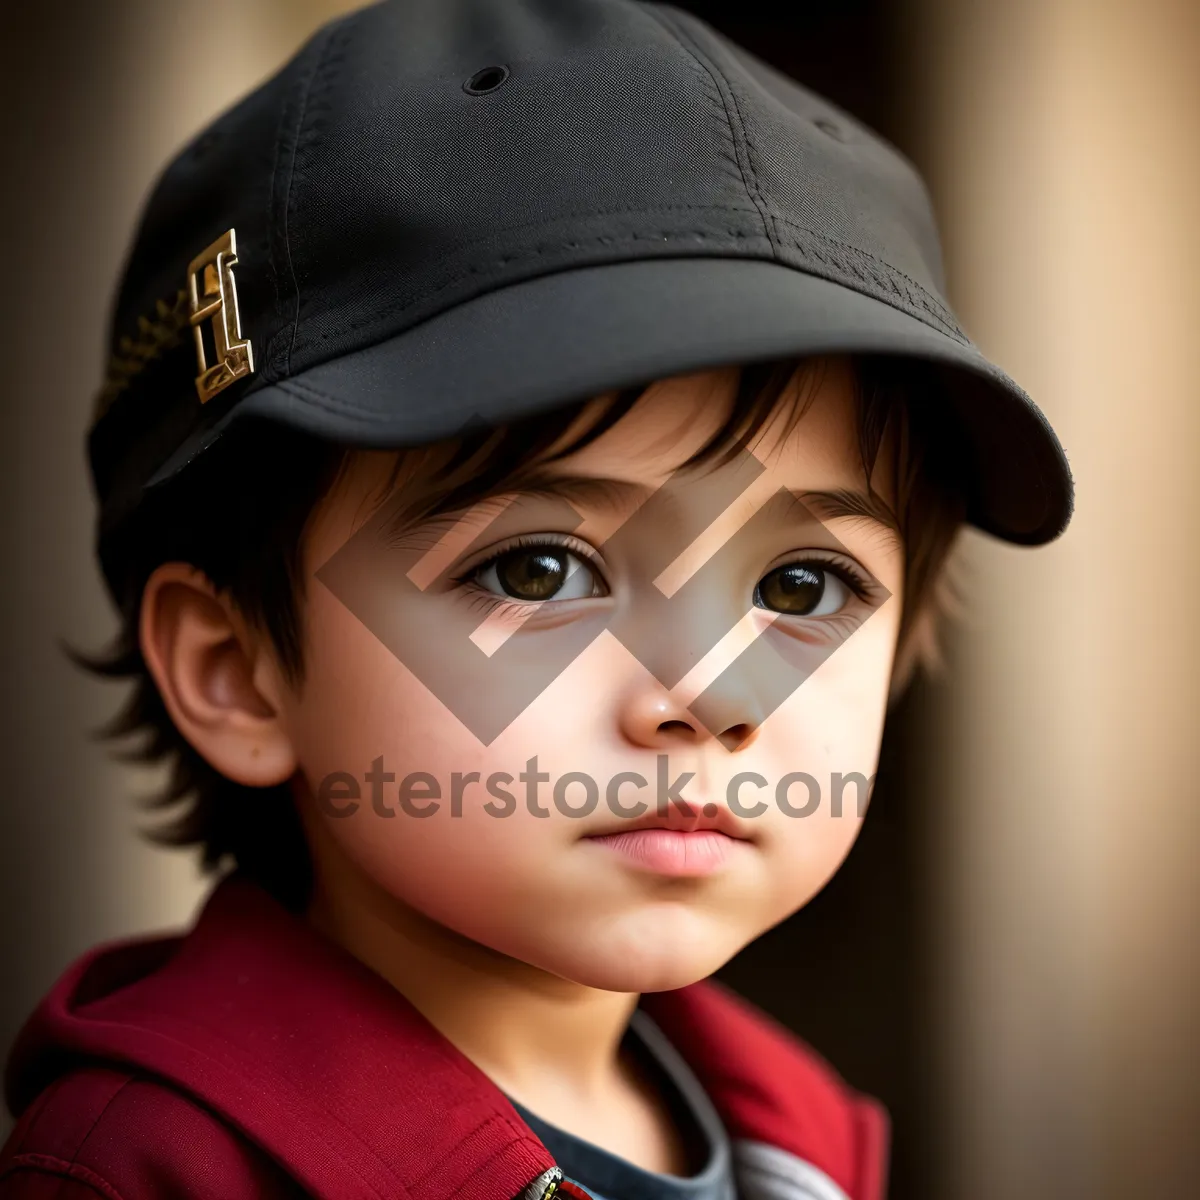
(676, 418)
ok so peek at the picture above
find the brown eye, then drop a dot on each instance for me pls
(532, 574)
(535, 573)
(801, 590)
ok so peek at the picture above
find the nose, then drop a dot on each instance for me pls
(651, 717)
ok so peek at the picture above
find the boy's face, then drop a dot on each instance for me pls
(652, 634)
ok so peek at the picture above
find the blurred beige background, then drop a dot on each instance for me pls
(1064, 138)
(1062, 143)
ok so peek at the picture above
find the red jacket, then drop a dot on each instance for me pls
(252, 1058)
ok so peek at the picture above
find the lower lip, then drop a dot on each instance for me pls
(670, 852)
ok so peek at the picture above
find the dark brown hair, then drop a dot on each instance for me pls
(240, 512)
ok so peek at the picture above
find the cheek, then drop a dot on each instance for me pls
(834, 718)
(358, 702)
(495, 873)
(820, 750)
(363, 715)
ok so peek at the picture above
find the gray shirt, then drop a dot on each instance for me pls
(609, 1177)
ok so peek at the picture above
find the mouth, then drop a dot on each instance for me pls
(677, 844)
(671, 852)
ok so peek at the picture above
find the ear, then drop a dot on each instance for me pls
(218, 678)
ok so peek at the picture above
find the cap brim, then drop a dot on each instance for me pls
(564, 337)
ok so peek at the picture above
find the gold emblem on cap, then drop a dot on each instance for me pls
(213, 296)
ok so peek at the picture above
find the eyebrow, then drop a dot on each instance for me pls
(615, 493)
(620, 495)
(587, 491)
(847, 502)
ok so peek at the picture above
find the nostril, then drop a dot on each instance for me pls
(676, 729)
(736, 736)
(486, 80)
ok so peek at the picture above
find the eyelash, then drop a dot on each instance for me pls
(862, 585)
(848, 572)
(528, 541)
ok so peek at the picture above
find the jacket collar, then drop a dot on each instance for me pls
(316, 1059)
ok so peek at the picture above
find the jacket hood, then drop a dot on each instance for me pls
(329, 1070)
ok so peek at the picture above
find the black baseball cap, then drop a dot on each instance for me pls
(446, 211)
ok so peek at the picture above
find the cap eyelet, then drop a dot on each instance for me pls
(486, 80)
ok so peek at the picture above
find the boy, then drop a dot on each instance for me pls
(533, 440)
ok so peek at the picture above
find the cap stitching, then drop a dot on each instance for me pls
(496, 231)
(888, 276)
(759, 196)
(919, 299)
(689, 47)
(887, 279)
(278, 229)
(321, 63)
(727, 153)
(537, 251)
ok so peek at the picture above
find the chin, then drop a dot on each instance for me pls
(646, 962)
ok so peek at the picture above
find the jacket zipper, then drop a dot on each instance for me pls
(544, 1186)
(550, 1185)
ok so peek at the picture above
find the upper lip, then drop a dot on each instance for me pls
(721, 820)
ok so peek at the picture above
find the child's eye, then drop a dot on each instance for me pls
(805, 589)
(538, 572)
